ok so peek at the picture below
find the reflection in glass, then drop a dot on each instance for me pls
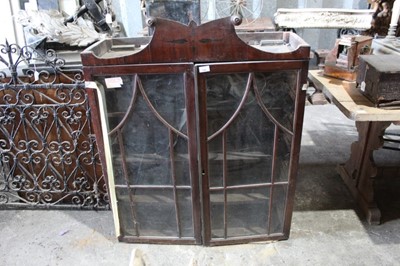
(247, 211)
(282, 157)
(147, 121)
(154, 212)
(278, 209)
(250, 129)
(217, 214)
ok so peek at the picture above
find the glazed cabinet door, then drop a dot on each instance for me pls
(249, 129)
(151, 125)
(203, 153)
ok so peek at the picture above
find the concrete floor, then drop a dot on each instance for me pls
(326, 227)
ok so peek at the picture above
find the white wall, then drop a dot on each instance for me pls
(10, 30)
(129, 16)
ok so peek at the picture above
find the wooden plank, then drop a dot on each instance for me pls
(350, 100)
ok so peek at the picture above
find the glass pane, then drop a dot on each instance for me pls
(117, 99)
(249, 147)
(278, 209)
(147, 152)
(217, 214)
(215, 162)
(224, 93)
(181, 162)
(247, 211)
(185, 212)
(145, 147)
(243, 152)
(154, 210)
(282, 159)
(277, 90)
(249, 137)
(166, 94)
(126, 213)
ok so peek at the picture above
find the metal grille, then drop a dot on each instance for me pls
(48, 154)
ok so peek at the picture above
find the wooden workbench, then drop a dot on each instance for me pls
(359, 170)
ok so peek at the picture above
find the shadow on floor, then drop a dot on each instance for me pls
(319, 187)
(387, 194)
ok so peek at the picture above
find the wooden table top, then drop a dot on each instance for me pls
(349, 99)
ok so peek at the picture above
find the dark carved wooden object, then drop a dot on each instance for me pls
(211, 42)
(379, 79)
(204, 129)
(360, 170)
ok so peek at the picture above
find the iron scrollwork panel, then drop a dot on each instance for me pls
(48, 154)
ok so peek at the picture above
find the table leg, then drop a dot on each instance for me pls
(360, 170)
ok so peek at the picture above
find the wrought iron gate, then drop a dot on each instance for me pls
(48, 154)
